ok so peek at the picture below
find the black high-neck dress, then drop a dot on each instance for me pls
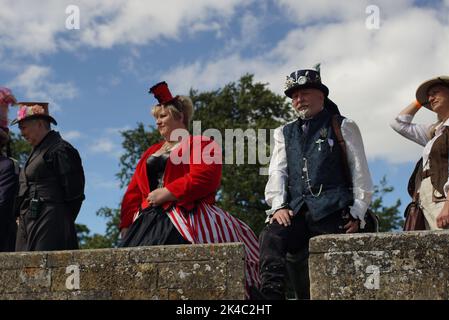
(9, 185)
(153, 226)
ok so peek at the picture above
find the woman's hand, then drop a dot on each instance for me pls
(160, 196)
(443, 217)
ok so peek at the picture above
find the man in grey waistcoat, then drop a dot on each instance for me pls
(314, 186)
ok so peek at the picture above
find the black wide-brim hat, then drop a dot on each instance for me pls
(304, 79)
(33, 110)
(423, 89)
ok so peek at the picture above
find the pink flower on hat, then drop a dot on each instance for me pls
(26, 111)
(22, 113)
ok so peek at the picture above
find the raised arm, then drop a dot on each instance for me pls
(403, 125)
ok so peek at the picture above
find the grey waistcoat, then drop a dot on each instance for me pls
(325, 169)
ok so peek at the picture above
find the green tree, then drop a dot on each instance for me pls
(20, 148)
(109, 239)
(389, 216)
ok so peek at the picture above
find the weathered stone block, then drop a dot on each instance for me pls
(405, 265)
(131, 294)
(13, 261)
(198, 274)
(163, 272)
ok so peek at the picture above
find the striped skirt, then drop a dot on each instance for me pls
(210, 224)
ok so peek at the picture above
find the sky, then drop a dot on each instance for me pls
(96, 73)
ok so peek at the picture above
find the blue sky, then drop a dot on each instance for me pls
(96, 78)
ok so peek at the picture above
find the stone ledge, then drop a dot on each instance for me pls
(160, 272)
(405, 265)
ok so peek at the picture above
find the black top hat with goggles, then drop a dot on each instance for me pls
(309, 78)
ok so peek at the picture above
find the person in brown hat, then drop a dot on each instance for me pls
(9, 177)
(319, 183)
(51, 184)
(431, 174)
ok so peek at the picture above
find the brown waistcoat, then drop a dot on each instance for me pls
(438, 164)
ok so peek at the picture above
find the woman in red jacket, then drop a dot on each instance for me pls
(171, 196)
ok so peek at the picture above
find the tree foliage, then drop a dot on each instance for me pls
(389, 216)
(20, 148)
(111, 237)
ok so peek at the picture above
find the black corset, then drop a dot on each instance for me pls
(155, 170)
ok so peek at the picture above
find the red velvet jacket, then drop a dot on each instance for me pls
(197, 178)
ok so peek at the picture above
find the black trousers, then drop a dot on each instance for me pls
(53, 229)
(276, 241)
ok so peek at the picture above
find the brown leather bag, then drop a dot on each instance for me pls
(414, 216)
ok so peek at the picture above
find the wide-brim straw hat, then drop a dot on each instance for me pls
(423, 89)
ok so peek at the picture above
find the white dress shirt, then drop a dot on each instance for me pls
(276, 188)
(420, 133)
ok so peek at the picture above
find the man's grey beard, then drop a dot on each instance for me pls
(303, 113)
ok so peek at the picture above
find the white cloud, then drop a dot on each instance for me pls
(97, 181)
(108, 142)
(107, 83)
(102, 145)
(37, 84)
(306, 12)
(372, 74)
(117, 131)
(34, 28)
(72, 135)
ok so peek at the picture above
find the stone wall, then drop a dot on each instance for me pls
(406, 265)
(170, 272)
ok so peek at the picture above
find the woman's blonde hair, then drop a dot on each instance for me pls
(181, 105)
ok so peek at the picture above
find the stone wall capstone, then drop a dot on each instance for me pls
(175, 272)
(404, 265)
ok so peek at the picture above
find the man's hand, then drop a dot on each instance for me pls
(352, 226)
(443, 217)
(282, 216)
